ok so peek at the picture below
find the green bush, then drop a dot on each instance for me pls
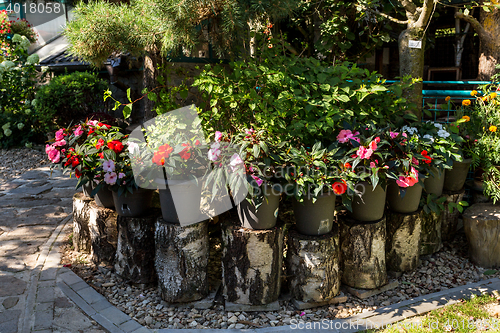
(69, 98)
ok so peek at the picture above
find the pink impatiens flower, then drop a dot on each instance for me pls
(110, 178)
(108, 166)
(372, 165)
(78, 131)
(408, 181)
(60, 135)
(53, 154)
(364, 153)
(346, 135)
(121, 175)
(393, 134)
(257, 180)
(373, 145)
(236, 162)
(218, 136)
(59, 143)
(214, 152)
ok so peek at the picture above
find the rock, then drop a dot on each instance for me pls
(232, 320)
(148, 320)
(193, 323)
(108, 284)
(239, 326)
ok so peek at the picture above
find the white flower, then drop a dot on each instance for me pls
(7, 64)
(6, 126)
(133, 148)
(443, 134)
(33, 59)
(108, 166)
(7, 132)
(409, 130)
(24, 43)
(20, 126)
(110, 178)
(16, 38)
(28, 145)
(214, 152)
(438, 126)
(429, 137)
(28, 111)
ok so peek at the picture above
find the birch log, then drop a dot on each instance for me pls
(403, 238)
(81, 217)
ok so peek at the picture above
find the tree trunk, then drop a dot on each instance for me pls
(403, 237)
(411, 62)
(135, 251)
(489, 48)
(449, 221)
(251, 264)
(482, 228)
(430, 239)
(181, 261)
(362, 255)
(151, 62)
(313, 266)
(81, 216)
(103, 234)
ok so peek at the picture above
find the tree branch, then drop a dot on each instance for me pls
(424, 17)
(390, 18)
(408, 6)
(483, 34)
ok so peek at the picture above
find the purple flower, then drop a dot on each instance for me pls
(121, 175)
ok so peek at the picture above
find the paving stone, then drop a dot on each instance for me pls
(275, 306)
(90, 295)
(114, 315)
(101, 305)
(12, 264)
(10, 285)
(13, 248)
(44, 295)
(9, 320)
(48, 274)
(73, 320)
(34, 174)
(130, 326)
(44, 315)
(145, 330)
(9, 186)
(365, 293)
(36, 183)
(10, 302)
(29, 233)
(32, 190)
(65, 183)
(69, 277)
(62, 302)
(27, 202)
(341, 298)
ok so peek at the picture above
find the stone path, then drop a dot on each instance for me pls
(38, 295)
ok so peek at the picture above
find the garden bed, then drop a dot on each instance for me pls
(14, 162)
(445, 269)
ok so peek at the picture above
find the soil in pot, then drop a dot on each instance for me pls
(455, 177)
(407, 204)
(370, 205)
(267, 213)
(134, 204)
(316, 218)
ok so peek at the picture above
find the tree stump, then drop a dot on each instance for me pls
(403, 237)
(449, 221)
(312, 265)
(135, 251)
(430, 236)
(81, 217)
(251, 264)
(181, 260)
(362, 246)
(103, 234)
(482, 228)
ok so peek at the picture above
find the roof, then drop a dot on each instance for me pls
(55, 55)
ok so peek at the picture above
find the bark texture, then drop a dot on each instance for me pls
(363, 253)
(449, 221)
(150, 75)
(313, 266)
(251, 264)
(81, 216)
(181, 261)
(482, 228)
(135, 251)
(403, 237)
(103, 234)
(430, 237)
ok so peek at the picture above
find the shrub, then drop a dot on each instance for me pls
(69, 98)
(23, 28)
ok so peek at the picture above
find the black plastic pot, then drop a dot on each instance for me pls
(409, 203)
(180, 201)
(316, 218)
(265, 216)
(434, 184)
(134, 204)
(455, 177)
(370, 205)
(87, 189)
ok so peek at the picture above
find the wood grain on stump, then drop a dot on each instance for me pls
(81, 217)
(181, 260)
(430, 235)
(362, 246)
(403, 237)
(312, 265)
(482, 228)
(251, 264)
(103, 234)
(449, 221)
(135, 251)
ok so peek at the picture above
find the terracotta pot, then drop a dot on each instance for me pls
(370, 205)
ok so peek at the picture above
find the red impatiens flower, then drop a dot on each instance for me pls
(100, 143)
(116, 146)
(339, 188)
(75, 162)
(163, 152)
(77, 173)
(185, 154)
(104, 125)
(425, 155)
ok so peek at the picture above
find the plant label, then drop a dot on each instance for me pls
(415, 44)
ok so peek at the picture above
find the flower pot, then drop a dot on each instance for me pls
(434, 184)
(180, 201)
(316, 218)
(265, 216)
(409, 203)
(133, 204)
(87, 189)
(454, 179)
(104, 197)
(370, 205)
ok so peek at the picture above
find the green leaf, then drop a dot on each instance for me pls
(128, 95)
(127, 110)
(490, 272)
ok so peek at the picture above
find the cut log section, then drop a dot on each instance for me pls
(81, 217)
(135, 251)
(430, 236)
(449, 221)
(251, 264)
(312, 266)
(103, 234)
(482, 228)
(403, 238)
(181, 261)
(362, 246)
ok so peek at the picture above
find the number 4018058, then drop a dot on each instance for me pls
(34, 8)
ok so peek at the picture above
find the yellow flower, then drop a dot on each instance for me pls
(493, 95)
(447, 98)
(466, 118)
(493, 128)
(484, 99)
(466, 102)
(473, 93)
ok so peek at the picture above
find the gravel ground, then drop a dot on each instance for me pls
(448, 268)
(14, 162)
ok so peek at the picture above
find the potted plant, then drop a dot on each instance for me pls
(312, 176)
(364, 149)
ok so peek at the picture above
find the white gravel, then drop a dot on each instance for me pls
(14, 162)
(448, 268)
